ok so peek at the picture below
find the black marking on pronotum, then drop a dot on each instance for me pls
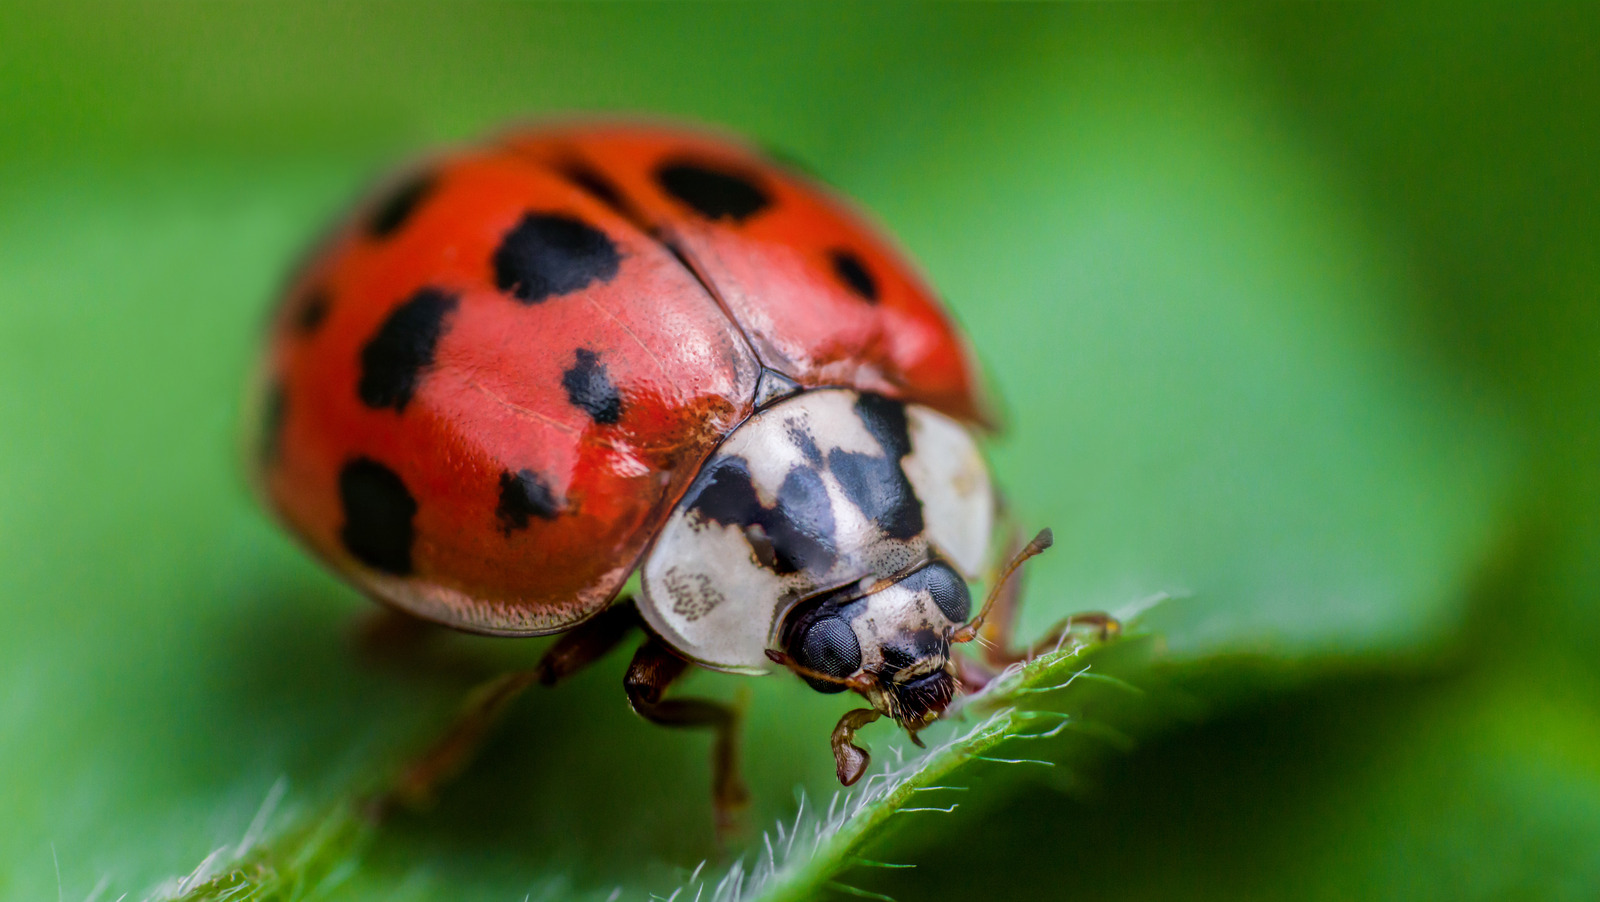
(523, 495)
(854, 274)
(803, 509)
(551, 254)
(273, 412)
(795, 534)
(713, 191)
(312, 312)
(393, 360)
(589, 388)
(378, 514)
(878, 485)
(886, 420)
(392, 212)
(880, 489)
(804, 441)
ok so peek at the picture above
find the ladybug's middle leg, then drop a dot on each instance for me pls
(654, 668)
(453, 751)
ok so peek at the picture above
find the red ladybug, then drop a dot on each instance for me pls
(534, 367)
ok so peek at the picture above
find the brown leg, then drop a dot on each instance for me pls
(849, 759)
(487, 704)
(998, 653)
(654, 668)
(590, 642)
(1096, 623)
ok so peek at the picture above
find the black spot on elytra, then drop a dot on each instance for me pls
(878, 485)
(378, 514)
(393, 360)
(312, 312)
(853, 273)
(591, 182)
(589, 388)
(273, 412)
(551, 254)
(393, 211)
(712, 191)
(796, 534)
(523, 495)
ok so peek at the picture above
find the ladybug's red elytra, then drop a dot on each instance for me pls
(536, 366)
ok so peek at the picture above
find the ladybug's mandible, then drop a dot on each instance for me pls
(533, 367)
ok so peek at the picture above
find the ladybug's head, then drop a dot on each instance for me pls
(888, 640)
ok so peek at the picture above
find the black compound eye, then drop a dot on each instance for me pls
(829, 646)
(948, 589)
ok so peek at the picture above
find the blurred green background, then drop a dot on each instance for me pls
(1295, 309)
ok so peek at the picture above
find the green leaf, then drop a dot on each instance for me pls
(1023, 705)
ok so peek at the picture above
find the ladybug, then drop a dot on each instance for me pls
(534, 367)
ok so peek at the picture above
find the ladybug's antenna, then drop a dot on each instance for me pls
(969, 631)
(859, 682)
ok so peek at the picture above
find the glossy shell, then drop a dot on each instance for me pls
(815, 493)
(489, 388)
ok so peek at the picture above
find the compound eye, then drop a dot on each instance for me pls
(949, 591)
(829, 646)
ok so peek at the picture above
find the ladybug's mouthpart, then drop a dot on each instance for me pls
(1040, 542)
(921, 701)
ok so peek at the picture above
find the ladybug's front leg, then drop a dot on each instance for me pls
(851, 760)
(654, 668)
